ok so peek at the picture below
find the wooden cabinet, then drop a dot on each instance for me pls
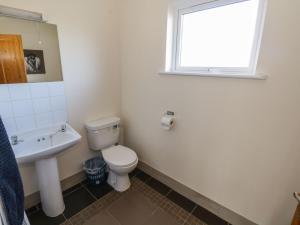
(12, 64)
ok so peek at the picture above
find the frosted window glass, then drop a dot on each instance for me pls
(219, 37)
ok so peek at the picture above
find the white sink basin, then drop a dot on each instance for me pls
(41, 147)
(44, 143)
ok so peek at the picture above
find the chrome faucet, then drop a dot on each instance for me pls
(63, 128)
(15, 140)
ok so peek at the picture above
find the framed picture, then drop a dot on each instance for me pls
(34, 61)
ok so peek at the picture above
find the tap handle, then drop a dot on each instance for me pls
(63, 127)
(14, 137)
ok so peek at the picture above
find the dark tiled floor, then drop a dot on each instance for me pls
(143, 176)
(76, 201)
(76, 198)
(208, 217)
(99, 191)
(135, 172)
(182, 201)
(39, 218)
(147, 202)
(158, 186)
(72, 189)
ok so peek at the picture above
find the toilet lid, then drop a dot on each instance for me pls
(119, 156)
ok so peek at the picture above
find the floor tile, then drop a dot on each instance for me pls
(192, 220)
(87, 213)
(67, 222)
(208, 217)
(100, 190)
(132, 209)
(39, 218)
(158, 186)
(134, 172)
(102, 218)
(143, 176)
(174, 210)
(182, 201)
(32, 210)
(72, 189)
(147, 191)
(77, 201)
(161, 218)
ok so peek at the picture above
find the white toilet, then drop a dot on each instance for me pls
(103, 135)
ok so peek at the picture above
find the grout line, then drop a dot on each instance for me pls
(169, 192)
(90, 193)
(137, 174)
(76, 189)
(147, 180)
(155, 210)
(190, 214)
(193, 210)
(66, 219)
(106, 211)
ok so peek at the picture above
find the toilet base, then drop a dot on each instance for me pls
(119, 182)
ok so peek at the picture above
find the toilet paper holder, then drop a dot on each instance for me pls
(167, 121)
(170, 113)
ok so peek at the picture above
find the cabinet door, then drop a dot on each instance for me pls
(12, 64)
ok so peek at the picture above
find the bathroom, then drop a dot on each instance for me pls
(231, 155)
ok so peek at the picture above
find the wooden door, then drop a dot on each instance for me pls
(12, 64)
(296, 219)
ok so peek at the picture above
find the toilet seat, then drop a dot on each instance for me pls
(120, 156)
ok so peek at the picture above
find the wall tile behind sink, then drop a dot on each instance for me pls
(4, 93)
(6, 109)
(25, 123)
(58, 103)
(19, 91)
(60, 116)
(10, 125)
(44, 120)
(56, 89)
(41, 105)
(25, 107)
(39, 90)
(22, 108)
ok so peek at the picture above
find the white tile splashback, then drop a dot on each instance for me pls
(25, 107)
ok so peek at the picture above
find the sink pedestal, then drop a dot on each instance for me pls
(49, 185)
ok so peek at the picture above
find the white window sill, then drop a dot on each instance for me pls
(218, 75)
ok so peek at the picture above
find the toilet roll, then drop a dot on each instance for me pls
(167, 122)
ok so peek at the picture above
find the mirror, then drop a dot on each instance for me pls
(29, 52)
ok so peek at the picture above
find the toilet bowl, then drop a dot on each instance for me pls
(121, 161)
(103, 135)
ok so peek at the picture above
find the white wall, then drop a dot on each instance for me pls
(236, 141)
(88, 38)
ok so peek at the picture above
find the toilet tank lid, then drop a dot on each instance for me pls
(102, 123)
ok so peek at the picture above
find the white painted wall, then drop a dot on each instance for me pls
(236, 141)
(88, 38)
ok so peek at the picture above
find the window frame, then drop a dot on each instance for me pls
(191, 6)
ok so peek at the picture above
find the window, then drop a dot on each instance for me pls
(218, 37)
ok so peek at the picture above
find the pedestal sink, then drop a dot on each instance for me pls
(41, 147)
